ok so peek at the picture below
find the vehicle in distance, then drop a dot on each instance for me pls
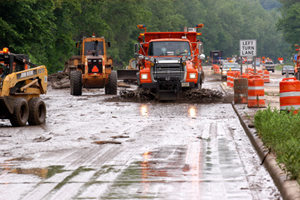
(288, 68)
(270, 66)
(227, 67)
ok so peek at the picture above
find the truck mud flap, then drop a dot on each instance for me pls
(127, 74)
(7, 104)
(169, 94)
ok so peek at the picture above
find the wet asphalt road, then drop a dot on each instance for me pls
(92, 149)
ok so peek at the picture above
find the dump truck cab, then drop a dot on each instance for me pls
(170, 62)
(92, 68)
(20, 90)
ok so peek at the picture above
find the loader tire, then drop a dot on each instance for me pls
(21, 112)
(37, 111)
(75, 83)
(112, 86)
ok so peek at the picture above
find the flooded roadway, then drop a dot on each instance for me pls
(92, 149)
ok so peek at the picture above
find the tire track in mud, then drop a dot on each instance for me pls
(92, 157)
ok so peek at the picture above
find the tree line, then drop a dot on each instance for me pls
(48, 30)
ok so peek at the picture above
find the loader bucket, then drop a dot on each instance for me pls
(127, 74)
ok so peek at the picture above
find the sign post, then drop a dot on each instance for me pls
(248, 49)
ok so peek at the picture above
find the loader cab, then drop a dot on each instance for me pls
(12, 62)
(93, 48)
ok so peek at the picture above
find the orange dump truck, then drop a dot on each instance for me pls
(169, 62)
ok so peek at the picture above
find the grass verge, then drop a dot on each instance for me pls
(280, 131)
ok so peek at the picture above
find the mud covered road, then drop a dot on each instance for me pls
(97, 147)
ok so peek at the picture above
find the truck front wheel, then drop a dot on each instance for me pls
(112, 86)
(37, 111)
(75, 83)
(21, 112)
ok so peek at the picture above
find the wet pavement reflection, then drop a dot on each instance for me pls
(156, 151)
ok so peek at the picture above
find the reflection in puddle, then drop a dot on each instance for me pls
(43, 173)
(192, 112)
(144, 110)
(35, 171)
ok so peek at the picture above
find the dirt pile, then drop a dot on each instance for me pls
(59, 80)
(190, 96)
(201, 96)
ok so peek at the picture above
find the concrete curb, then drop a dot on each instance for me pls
(289, 189)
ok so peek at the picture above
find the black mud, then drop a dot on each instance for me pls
(189, 96)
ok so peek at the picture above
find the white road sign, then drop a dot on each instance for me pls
(247, 48)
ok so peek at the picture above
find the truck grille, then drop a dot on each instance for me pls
(94, 65)
(168, 71)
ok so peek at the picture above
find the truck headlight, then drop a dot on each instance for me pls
(144, 76)
(224, 72)
(192, 75)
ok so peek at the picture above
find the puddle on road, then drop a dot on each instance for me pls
(192, 112)
(144, 110)
(157, 168)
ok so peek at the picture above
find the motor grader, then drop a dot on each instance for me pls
(92, 68)
(20, 89)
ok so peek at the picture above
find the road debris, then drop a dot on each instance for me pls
(190, 96)
(107, 142)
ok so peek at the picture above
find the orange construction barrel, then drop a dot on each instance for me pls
(237, 74)
(240, 90)
(260, 73)
(216, 69)
(245, 76)
(247, 70)
(266, 76)
(230, 75)
(256, 92)
(250, 71)
(289, 94)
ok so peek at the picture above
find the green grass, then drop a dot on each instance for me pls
(280, 131)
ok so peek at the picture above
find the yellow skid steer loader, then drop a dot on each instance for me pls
(20, 89)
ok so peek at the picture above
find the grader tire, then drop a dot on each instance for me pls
(112, 83)
(75, 83)
(21, 112)
(37, 111)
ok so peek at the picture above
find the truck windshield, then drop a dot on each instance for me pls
(169, 48)
(90, 46)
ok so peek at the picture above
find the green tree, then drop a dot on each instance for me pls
(289, 23)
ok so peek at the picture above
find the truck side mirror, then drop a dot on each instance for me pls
(108, 44)
(200, 47)
(136, 47)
